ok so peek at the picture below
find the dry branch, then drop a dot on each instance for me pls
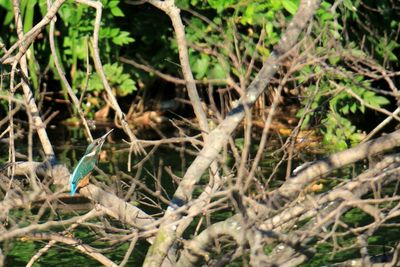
(296, 184)
(85, 249)
(135, 144)
(109, 203)
(324, 210)
(218, 137)
(64, 80)
(21, 60)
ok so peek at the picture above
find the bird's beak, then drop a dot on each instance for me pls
(103, 138)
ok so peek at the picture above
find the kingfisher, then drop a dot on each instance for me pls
(82, 172)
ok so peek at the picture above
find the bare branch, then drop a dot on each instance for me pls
(219, 136)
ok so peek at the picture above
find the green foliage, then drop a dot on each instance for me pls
(220, 5)
(232, 31)
(115, 10)
(200, 65)
(7, 5)
(386, 49)
(119, 81)
(382, 38)
(79, 20)
(330, 102)
(223, 43)
(77, 25)
(338, 132)
(333, 110)
(290, 6)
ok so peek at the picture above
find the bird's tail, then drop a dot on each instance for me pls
(73, 189)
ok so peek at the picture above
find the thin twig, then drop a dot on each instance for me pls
(71, 93)
(138, 149)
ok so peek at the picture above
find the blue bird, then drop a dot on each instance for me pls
(82, 172)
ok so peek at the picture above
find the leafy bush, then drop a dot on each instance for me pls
(342, 92)
(73, 45)
(119, 81)
(224, 41)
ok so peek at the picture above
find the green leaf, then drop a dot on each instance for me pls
(327, 16)
(113, 32)
(357, 52)
(335, 34)
(220, 5)
(353, 107)
(248, 15)
(123, 38)
(113, 4)
(269, 28)
(182, 4)
(239, 142)
(118, 80)
(127, 87)
(349, 5)
(200, 66)
(117, 12)
(306, 122)
(276, 4)
(362, 108)
(289, 6)
(341, 145)
(333, 60)
(217, 72)
(368, 95)
(265, 52)
(345, 109)
(7, 4)
(378, 101)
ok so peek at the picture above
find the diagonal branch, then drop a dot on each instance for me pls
(64, 80)
(24, 42)
(219, 136)
(30, 100)
(108, 202)
(85, 249)
(99, 68)
(293, 186)
(173, 12)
